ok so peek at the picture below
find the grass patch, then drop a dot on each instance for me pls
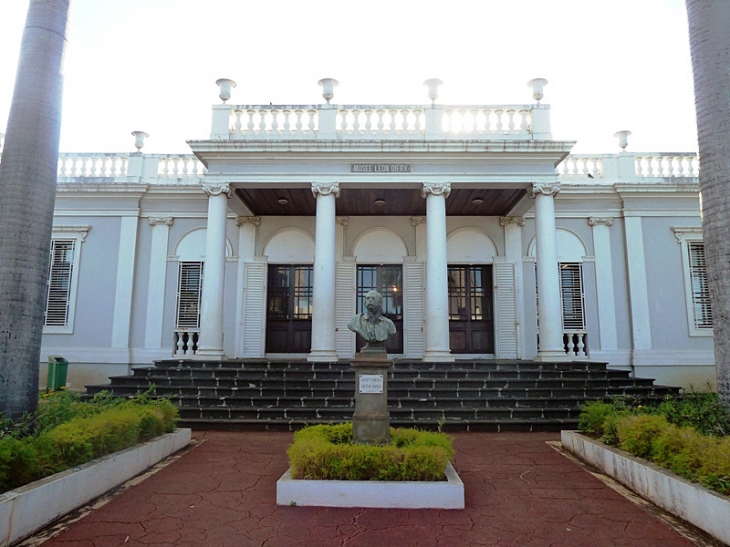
(326, 452)
(67, 431)
(687, 435)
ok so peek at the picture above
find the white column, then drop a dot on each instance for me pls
(125, 282)
(551, 346)
(156, 284)
(323, 295)
(246, 252)
(638, 290)
(604, 282)
(437, 288)
(211, 306)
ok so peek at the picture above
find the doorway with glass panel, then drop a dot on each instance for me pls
(388, 281)
(289, 309)
(471, 315)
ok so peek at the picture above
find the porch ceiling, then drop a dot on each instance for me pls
(365, 202)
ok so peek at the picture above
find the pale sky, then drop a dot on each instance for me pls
(151, 65)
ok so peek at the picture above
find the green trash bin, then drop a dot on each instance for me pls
(57, 371)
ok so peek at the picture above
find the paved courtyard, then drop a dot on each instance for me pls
(520, 492)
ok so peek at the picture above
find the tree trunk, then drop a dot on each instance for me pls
(709, 32)
(27, 196)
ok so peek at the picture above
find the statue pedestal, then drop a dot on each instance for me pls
(371, 421)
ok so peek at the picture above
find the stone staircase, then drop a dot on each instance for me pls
(479, 395)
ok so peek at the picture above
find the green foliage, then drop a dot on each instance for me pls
(702, 411)
(70, 432)
(326, 452)
(636, 434)
(686, 435)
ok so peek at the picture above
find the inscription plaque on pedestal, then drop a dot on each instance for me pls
(371, 383)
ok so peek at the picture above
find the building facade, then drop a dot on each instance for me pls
(486, 237)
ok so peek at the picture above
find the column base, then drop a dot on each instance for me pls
(552, 356)
(322, 356)
(439, 356)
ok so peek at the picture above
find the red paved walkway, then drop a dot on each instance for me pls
(520, 492)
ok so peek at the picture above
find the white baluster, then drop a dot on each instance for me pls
(250, 125)
(525, 121)
(417, 124)
(510, 120)
(178, 343)
(368, 121)
(581, 352)
(275, 120)
(356, 122)
(298, 122)
(381, 123)
(393, 114)
(287, 126)
(312, 115)
(500, 124)
(262, 121)
(239, 124)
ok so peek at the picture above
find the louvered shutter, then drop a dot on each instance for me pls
(254, 318)
(700, 292)
(344, 308)
(59, 282)
(505, 311)
(189, 291)
(413, 338)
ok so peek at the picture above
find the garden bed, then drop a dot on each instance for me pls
(692, 502)
(448, 494)
(29, 508)
(412, 471)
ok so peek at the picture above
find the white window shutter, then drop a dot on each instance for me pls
(254, 309)
(413, 313)
(505, 308)
(344, 308)
(60, 276)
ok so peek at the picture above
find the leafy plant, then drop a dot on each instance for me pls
(326, 452)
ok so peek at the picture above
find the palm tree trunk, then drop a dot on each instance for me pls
(709, 32)
(27, 196)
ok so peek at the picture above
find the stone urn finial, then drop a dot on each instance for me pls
(328, 88)
(139, 137)
(433, 88)
(623, 138)
(537, 85)
(225, 86)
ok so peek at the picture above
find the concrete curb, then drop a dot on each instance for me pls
(33, 506)
(447, 494)
(692, 502)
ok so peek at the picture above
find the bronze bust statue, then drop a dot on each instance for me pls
(372, 326)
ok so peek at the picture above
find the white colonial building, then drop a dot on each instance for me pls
(472, 221)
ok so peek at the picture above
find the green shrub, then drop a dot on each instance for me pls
(326, 452)
(636, 434)
(74, 432)
(593, 417)
(681, 434)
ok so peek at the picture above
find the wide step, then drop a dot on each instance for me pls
(478, 395)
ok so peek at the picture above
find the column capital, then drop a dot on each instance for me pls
(436, 188)
(595, 221)
(326, 188)
(154, 221)
(217, 189)
(504, 221)
(240, 221)
(544, 188)
(415, 221)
